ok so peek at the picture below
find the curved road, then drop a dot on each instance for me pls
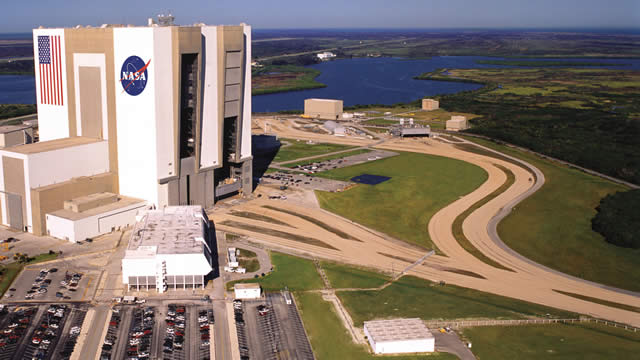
(528, 281)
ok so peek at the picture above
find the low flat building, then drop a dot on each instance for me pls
(13, 135)
(326, 109)
(93, 215)
(247, 291)
(457, 123)
(399, 336)
(169, 249)
(430, 104)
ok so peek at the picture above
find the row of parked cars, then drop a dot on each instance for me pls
(110, 338)
(16, 326)
(176, 321)
(139, 341)
(40, 284)
(243, 343)
(48, 330)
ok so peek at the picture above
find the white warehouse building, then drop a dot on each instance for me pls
(156, 113)
(170, 248)
(399, 336)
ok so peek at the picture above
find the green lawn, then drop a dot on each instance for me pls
(294, 272)
(248, 260)
(330, 340)
(299, 149)
(553, 226)
(420, 185)
(342, 276)
(576, 341)
(414, 297)
(328, 157)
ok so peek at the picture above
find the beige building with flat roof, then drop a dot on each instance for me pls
(12, 135)
(430, 104)
(457, 123)
(326, 109)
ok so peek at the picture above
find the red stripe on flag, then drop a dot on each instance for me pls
(54, 70)
(40, 77)
(57, 73)
(54, 88)
(48, 67)
(60, 72)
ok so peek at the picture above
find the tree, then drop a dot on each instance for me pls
(618, 219)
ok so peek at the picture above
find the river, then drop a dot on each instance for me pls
(356, 81)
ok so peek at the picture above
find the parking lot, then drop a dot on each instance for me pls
(53, 284)
(175, 331)
(47, 331)
(314, 167)
(271, 329)
(302, 181)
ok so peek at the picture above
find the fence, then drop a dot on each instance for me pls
(473, 323)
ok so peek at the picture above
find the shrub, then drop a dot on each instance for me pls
(618, 219)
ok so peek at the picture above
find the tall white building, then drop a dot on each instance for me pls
(156, 113)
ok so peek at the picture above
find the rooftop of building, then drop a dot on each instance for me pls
(327, 100)
(173, 230)
(397, 330)
(51, 145)
(122, 202)
(5, 129)
(246, 286)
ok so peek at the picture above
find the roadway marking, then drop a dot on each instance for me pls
(86, 289)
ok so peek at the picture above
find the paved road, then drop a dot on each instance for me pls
(451, 343)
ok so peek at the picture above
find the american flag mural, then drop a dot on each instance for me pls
(50, 68)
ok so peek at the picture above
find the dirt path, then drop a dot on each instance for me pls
(529, 281)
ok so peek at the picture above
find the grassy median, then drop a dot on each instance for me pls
(297, 149)
(414, 297)
(294, 272)
(401, 207)
(553, 226)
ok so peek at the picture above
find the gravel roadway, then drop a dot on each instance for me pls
(528, 281)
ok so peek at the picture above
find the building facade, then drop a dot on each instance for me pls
(167, 109)
(327, 109)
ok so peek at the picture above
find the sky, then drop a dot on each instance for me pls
(24, 15)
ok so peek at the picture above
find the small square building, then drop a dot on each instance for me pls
(326, 109)
(399, 336)
(247, 291)
(430, 104)
(12, 135)
(457, 123)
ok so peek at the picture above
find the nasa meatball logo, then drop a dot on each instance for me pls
(133, 76)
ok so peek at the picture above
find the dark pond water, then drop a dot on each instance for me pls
(356, 81)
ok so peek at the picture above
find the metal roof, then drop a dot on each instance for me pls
(397, 330)
(173, 230)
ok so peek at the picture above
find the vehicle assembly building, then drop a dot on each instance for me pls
(326, 109)
(399, 336)
(169, 248)
(160, 114)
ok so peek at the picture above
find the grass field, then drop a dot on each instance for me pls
(296, 273)
(420, 185)
(560, 341)
(553, 226)
(248, 260)
(328, 157)
(330, 340)
(414, 297)
(272, 79)
(300, 149)
(342, 276)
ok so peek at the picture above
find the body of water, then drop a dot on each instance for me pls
(356, 81)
